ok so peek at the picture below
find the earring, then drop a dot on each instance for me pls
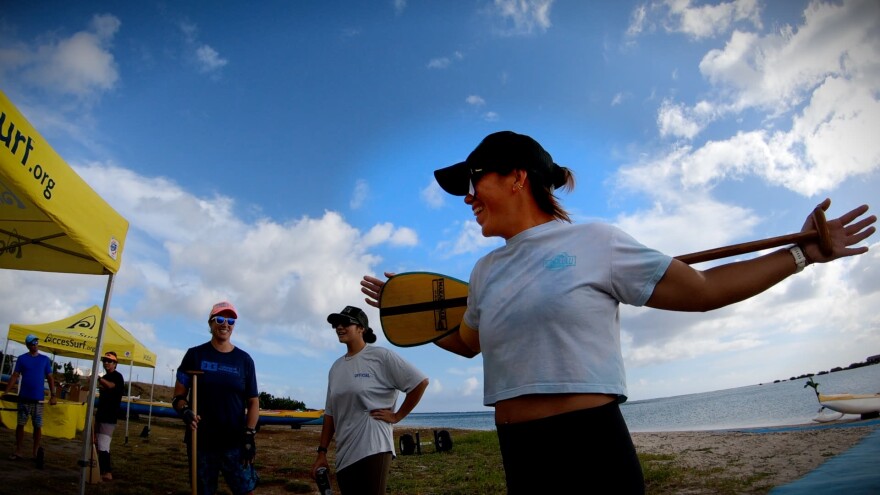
(517, 187)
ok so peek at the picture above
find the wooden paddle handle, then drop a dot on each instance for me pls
(194, 464)
(822, 233)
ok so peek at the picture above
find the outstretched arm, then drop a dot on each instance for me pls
(684, 288)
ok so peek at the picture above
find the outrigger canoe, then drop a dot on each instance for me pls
(282, 417)
(851, 403)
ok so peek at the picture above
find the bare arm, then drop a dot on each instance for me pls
(253, 412)
(409, 403)
(328, 429)
(12, 381)
(52, 399)
(684, 288)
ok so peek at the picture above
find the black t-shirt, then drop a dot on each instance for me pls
(110, 399)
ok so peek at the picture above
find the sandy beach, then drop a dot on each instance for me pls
(764, 460)
(778, 458)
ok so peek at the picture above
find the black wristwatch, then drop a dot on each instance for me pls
(250, 431)
(322, 449)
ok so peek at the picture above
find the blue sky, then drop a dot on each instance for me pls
(274, 152)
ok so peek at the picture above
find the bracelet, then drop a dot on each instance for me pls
(322, 449)
(799, 259)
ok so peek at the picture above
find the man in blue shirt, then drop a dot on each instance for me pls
(32, 368)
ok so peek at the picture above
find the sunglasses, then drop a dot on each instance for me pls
(105, 360)
(35, 342)
(476, 175)
(343, 324)
(224, 319)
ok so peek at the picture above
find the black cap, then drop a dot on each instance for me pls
(350, 314)
(504, 150)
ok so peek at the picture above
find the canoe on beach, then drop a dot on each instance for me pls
(851, 403)
(281, 417)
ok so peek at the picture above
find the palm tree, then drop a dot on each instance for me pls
(815, 385)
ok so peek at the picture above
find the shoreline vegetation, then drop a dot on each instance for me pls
(694, 462)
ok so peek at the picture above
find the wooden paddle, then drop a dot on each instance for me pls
(194, 464)
(420, 307)
(417, 308)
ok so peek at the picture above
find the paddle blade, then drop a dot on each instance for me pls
(420, 307)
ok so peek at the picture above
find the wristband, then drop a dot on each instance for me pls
(799, 259)
(322, 450)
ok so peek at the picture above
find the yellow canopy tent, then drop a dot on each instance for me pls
(76, 336)
(52, 221)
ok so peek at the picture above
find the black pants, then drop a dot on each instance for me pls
(585, 450)
(367, 476)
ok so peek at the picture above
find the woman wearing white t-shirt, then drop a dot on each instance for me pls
(543, 310)
(362, 390)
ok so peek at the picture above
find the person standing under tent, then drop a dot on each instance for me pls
(112, 387)
(32, 368)
(543, 309)
(362, 389)
(228, 406)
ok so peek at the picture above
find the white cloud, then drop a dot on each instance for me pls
(399, 6)
(206, 59)
(475, 100)
(829, 71)
(359, 195)
(523, 17)
(209, 60)
(386, 233)
(81, 65)
(673, 120)
(439, 63)
(710, 20)
(469, 239)
(433, 195)
(183, 252)
(444, 62)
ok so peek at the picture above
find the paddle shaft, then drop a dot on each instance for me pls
(821, 234)
(195, 433)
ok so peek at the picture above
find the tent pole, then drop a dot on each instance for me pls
(152, 385)
(3, 361)
(128, 402)
(93, 385)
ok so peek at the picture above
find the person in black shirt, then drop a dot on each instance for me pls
(111, 386)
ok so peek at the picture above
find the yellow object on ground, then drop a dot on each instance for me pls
(63, 420)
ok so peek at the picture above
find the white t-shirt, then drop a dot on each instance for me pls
(546, 306)
(369, 380)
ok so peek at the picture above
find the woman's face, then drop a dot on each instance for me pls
(349, 332)
(491, 203)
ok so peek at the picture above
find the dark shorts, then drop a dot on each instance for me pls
(240, 479)
(33, 409)
(367, 476)
(589, 451)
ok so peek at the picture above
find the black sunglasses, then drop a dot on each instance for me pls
(224, 319)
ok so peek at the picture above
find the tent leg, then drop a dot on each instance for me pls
(128, 403)
(93, 385)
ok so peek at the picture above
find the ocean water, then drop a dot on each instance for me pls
(770, 404)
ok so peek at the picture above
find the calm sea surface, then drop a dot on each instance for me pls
(771, 404)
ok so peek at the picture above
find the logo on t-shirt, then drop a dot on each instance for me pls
(362, 375)
(560, 261)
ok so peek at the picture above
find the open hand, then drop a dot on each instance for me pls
(844, 232)
(372, 287)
